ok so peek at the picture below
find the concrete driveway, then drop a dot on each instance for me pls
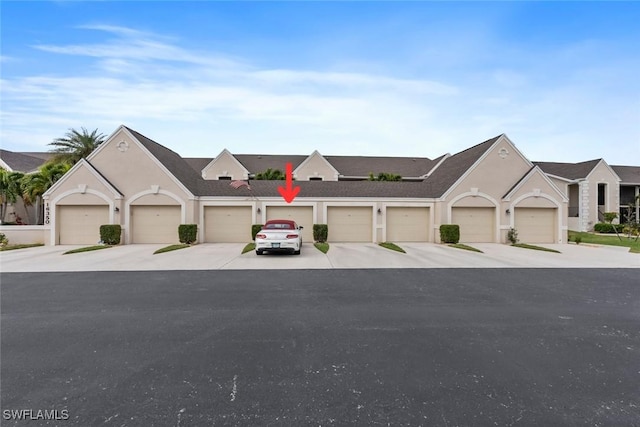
(212, 256)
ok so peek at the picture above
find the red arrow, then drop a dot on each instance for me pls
(290, 192)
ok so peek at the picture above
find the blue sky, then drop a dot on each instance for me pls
(561, 79)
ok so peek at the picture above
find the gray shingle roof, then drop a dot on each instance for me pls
(44, 155)
(172, 161)
(628, 174)
(568, 170)
(454, 167)
(317, 189)
(256, 163)
(198, 163)
(362, 165)
(21, 162)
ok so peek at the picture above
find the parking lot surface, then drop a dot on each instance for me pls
(430, 347)
(215, 256)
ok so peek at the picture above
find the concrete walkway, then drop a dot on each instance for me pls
(211, 256)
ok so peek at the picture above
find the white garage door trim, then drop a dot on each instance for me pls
(477, 224)
(543, 230)
(414, 228)
(155, 223)
(306, 218)
(368, 226)
(236, 230)
(84, 221)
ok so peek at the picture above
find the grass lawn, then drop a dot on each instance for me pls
(392, 246)
(171, 248)
(250, 247)
(322, 247)
(87, 249)
(534, 247)
(607, 240)
(24, 246)
(465, 247)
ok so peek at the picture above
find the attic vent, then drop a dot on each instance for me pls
(259, 157)
(413, 160)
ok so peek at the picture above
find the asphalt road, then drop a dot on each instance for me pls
(323, 347)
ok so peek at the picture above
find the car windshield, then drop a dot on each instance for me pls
(279, 226)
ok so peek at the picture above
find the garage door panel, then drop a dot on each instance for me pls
(302, 215)
(536, 225)
(80, 224)
(407, 224)
(227, 224)
(477, 225)
(350, 224)
(155, 224)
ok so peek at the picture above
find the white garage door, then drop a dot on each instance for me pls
(227, 224)
(407, 224)
(155, 224)
(476, 224)
(303, 215)
(536, 225)
(80, 225)
(350, 224)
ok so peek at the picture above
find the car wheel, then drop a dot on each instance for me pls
(259, 252)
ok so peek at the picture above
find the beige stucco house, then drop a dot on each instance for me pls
(149, 190)
(593, 188)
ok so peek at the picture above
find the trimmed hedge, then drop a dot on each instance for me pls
(603, 227)
(255, 228)
(450, 233)
(320, 232)
(110, 234)
(187, 233)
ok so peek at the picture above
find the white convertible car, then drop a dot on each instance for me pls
(279, 235)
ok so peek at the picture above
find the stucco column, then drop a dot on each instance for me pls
(637, 203)
(583, 197)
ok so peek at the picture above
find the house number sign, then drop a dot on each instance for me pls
(46, 214)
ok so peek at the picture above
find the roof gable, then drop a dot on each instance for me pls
(320, 160)
(84, 164)
(453, 168)
(225, 155)
(534, 171)
(172, 162)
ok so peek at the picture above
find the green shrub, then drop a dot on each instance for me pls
(110, 234)
(602, 227)
(512, 236)
(610, 216)
(255, 228)
(187, 233)
(449, 233)
(320, 232)
(577, 239)
(3, 240)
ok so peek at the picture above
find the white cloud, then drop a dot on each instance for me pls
(200, 102)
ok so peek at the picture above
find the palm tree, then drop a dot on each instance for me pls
(10, 189)
(34, 185)
(76, 145)
(384, 176)
(270, 174)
